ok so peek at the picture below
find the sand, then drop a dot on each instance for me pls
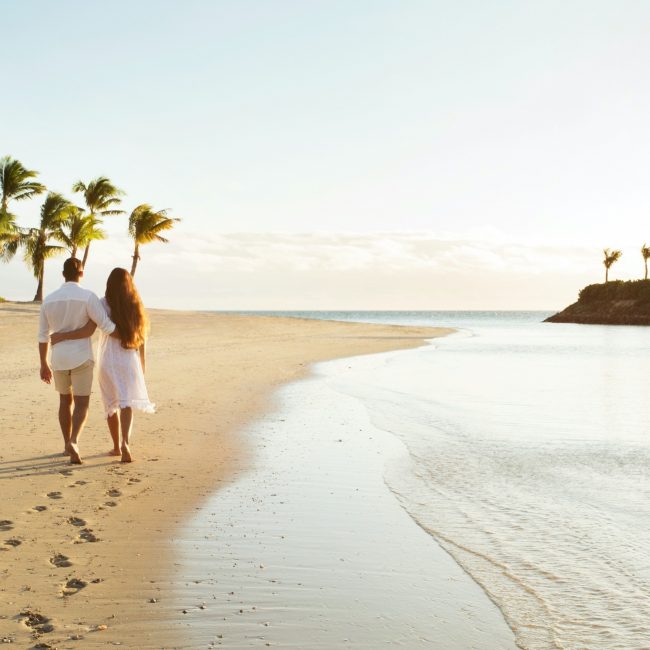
(86, 552)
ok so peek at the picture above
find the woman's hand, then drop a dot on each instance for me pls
(57, 337)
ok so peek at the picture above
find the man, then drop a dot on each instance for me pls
(67, 309)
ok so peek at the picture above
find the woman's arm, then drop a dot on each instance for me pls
(141, 350)
(82, 333)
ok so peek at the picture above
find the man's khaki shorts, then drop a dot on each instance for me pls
(77, 381)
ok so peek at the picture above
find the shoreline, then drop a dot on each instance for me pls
(311, 548)
(96, 562)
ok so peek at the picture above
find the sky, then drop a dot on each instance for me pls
(357, 154)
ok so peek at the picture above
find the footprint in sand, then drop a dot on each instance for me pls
(60, 561)
(66, 472)
(110, 504)
(6, 525)
(73, 586)
(114, 493)
(13, 542)
(81, 482)
(134, 480)
(39, 508)
(87, 535)
(55, 495)
(36, 621)
(76, 521)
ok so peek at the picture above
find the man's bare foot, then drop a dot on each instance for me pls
(75, 458)
(66, 450)
(126, 454)
(114, 452)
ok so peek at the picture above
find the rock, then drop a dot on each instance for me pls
(612, 303)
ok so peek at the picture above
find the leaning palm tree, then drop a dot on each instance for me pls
(609, 258)
(101, 197)
(145, 226)
(645, 253)
(16, 185)
(79, 229)
(37, 240)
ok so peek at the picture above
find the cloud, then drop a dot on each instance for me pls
(390, 270)
(247, 252)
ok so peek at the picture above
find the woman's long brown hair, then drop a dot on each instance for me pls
(127, 311)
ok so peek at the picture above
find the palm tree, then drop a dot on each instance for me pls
(16, 185)
(101, 197)
(609, 258)
(36, 241)
(645, 253)
(145, 226)
(79, 229)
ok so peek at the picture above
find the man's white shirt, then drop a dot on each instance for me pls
(66, 309)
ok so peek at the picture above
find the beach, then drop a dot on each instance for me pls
(87, 555)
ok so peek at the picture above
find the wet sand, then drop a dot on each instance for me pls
(310, 549)
(86, 552)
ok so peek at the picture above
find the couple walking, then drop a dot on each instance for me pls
(69, 317)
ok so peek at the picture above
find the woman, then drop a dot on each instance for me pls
(120, 359)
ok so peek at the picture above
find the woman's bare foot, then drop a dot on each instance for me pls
(114, 452)
(75, 458)
(126, 454)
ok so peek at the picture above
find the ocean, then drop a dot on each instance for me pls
(525, 455)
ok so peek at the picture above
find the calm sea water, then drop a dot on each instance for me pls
(528, 461)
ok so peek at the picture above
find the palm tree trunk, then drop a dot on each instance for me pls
(85, 259)
(646, 269)
(136, 257)
(39, 289)
(73, 252)
(606, 274)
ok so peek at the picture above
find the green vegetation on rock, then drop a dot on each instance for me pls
(611, 303)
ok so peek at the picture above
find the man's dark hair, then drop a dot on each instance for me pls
(72, 269)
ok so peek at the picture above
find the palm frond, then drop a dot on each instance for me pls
(15, 181)
(146, 224)
(8, 248)
(100, 194)
(54, 211)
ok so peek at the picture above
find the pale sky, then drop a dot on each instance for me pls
(342, 154)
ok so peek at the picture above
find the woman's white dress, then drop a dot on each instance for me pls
(121, 380)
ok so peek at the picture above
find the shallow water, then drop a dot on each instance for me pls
(308, 549)
(529, 461)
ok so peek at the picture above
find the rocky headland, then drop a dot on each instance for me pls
(612, 303)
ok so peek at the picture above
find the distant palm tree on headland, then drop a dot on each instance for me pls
(101, 197)
(16, 185)
(609, 258)
(645, 253)
(145, 226)
(79, 229)
(37, 240)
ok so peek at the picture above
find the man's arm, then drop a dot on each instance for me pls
(98, 314)
(46, 371)
(84, 332)
(43, 346)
